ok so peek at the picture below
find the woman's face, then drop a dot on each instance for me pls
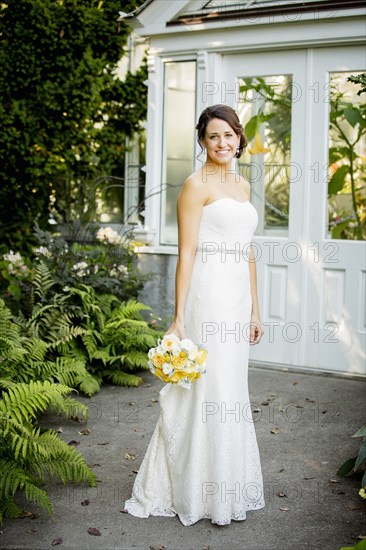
(220, 141)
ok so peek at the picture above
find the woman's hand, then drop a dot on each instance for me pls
(256, 329)
(177, 327)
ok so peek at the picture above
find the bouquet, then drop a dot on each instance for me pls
(177, 361)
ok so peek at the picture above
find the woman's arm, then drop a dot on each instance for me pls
(189, 210)
(256, 328)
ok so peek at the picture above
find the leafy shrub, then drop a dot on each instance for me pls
(116, 339)
(26, 454)
(357, 463)
(78, 338)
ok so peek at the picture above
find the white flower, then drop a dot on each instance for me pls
(107, 234)
(13, 258)
(167, 368)
(151, 353)
(42, 251)
(152, 366)
(123, 269)
(190, 347)
(16, 263)
(80, 265)
(170, 342)
(186, 344)
(81, 269)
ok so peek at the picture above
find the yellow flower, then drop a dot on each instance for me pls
(201, 356)
(158, 360)
(162, 376)
(179, 362)
(362, 492)
(176, 376)
(258, 146)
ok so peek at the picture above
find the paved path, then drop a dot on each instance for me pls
(315, 414)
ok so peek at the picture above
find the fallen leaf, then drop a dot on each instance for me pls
(129, 456)
(264, 403)
(309, 477)
(73, 442)
(106, 443)
(85, 502)
(279, 471)
(75, 418)
(59, 431)
(124, 511)
(257, 410)
(334, 480)
(55, 542)
(132, 403)
(294, 383)
(284, 509)
(275, 431)
(87, 431)
(135, 471)
(155, 400)
(30, 515)
(94, 531)
(309, 400)
(157, 547)
(281, 494)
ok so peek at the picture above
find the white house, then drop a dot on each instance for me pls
(283, 65)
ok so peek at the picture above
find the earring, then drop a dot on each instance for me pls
(238, 150)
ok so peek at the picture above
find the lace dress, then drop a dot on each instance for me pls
(203, 459)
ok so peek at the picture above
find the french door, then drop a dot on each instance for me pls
(311, 270)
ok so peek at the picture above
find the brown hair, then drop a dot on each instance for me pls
(226, 113)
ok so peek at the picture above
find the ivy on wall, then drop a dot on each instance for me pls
(65, 114)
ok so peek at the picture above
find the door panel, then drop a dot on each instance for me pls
(311, 288)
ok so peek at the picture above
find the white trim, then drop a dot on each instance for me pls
(158, 249)
(305, 370)
(159, 29)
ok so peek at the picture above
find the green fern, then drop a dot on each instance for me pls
(121, 378)
(28, 456)
(90, 385)
(42, 280)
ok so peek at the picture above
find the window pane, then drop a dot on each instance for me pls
(265, 112)
(178, 143)
(347, 145)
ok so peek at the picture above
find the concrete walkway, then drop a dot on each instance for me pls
(315, 416)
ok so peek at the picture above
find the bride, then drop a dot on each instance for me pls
(203, 459)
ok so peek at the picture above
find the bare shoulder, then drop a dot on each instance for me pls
(246, 184)
(193, 189)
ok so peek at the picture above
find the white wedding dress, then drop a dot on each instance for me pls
(203, 459)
